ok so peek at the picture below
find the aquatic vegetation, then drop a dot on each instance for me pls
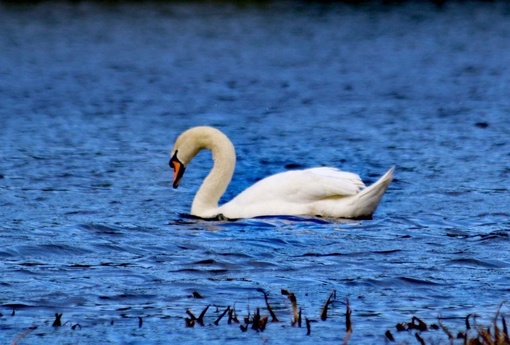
(415, 330)
(493, 334)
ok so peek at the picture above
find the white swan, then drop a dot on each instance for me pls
(326, 192)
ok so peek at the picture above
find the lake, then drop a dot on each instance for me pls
(92, 97)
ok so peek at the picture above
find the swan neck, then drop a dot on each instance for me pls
(215, 184)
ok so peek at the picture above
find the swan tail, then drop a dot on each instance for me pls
(368, 199)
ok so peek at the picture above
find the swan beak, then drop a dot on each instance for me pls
(178, 167)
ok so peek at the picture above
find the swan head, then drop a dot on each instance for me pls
(186, 147)
(192, 141)
(183, 152)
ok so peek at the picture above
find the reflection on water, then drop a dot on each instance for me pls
(94, 96)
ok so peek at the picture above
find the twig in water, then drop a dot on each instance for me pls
(505, 329)
(247, 319)
(271, 312)
(263, 323)
(389, 336)
(256, 319)
(418, 324)
(401, 326)
(499, 337)
(189, 322)
(196, 295)
(468, 326)
(246, 323)
(57, 322)
(348, 323)
(191, 315)
(420, 339)
(308, 327)
(221, 316)
(293, 302)
(485, 334)
(446, 330)
(140, 322)
(232, 315)
(331, 298)
(200, 319)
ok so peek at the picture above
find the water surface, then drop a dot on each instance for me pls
(93, 96)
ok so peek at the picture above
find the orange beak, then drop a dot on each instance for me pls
(178, 167)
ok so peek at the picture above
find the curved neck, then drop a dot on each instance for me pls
(215, 184)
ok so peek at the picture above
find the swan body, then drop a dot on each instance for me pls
(324, 191)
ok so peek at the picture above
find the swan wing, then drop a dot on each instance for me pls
(322, 183)
(298, 192)
(302, 186)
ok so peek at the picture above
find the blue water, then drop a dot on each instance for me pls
(93, 96)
